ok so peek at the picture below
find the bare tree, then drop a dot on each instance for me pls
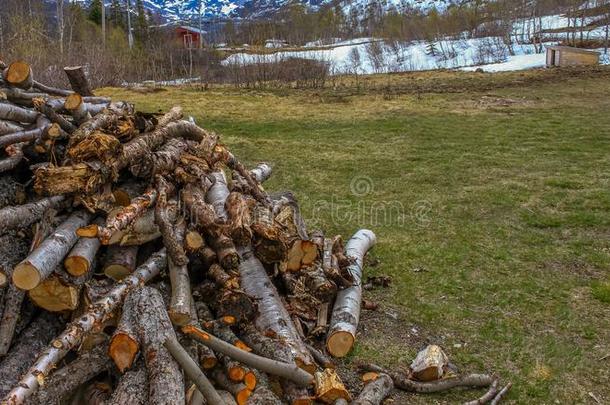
(60, 24)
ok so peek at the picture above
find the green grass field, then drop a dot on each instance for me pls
(490, 196)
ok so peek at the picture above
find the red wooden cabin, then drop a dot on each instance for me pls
(189, 36)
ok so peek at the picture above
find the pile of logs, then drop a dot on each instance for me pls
(141, 262)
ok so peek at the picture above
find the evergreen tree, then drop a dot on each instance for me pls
(141, 22)
(116, 14)
(95, 11)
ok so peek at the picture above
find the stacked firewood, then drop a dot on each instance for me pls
(141, 262)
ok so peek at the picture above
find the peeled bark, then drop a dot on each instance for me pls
(45, 108)
(239, 211)
(41, 262)
(273, 316)
(346, 311)
(78, 80)
(329, 387)
(162, 161)
(132, 389)
(120, 261)
(15, 156)
(193, 372)
(126, 216)
(31, 341)
(105, 119)
(61, 383)
(429, 364)
(59, 292)
(20, 216)
(72, 336)
(166, 385)
(376, 391)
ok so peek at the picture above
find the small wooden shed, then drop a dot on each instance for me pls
(568, 56)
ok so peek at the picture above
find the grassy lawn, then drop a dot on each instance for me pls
(490, 196)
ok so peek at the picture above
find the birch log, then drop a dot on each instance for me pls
(375, 391)
(272, 316)
(73, 335)
(41, 262)
(20, 216)
(346, 311)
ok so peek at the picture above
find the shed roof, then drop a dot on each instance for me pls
(192, 29)
(571, 49)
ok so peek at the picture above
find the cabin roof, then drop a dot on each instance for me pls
(192, 29)
(571, 49)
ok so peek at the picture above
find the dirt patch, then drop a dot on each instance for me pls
(490, 101)
(573, 266)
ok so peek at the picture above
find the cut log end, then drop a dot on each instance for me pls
(179, 318)
(193, 241)
(76, 265)
(242, 396)
(73, 101)
(209, 363)
(19, 74)
(26, 276)
(250, 380)
(340, 343)
(117, 271)
(236, 373)
(3, 280)
(89, 231)
(123, 350)
(369, 376)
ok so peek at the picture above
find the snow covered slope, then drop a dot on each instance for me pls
(185, 9)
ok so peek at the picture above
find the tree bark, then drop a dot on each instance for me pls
(41, 262)
(12, 250)
(13, 300)
(329, 387)
(488, 396)
(163, 161)
(132, 388)
(125, 343)
(78, 80)
(120, 261)
(43, 107)
(126, 216)
(15, 156)
(273, 316)
(180, 303)
(61, 383)
(9, 127)
(238, 390)
(284, 370)
(172, 228)
(401, 381)
(20, 216)
(31, 341)
(217, 194)
(375, 391)
(76, 106)
(81, 258)
(154, 327)
(346, 311)
(239, 211)
(13, 113)
(71, 337)
(193, 372)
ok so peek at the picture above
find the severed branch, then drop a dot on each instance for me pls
(20, 216)
(375, 391)
(284, 370)
(404, 383)
(43, 260)
(346, 311)
(501, 394)
(193, 372)
(488, 396)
